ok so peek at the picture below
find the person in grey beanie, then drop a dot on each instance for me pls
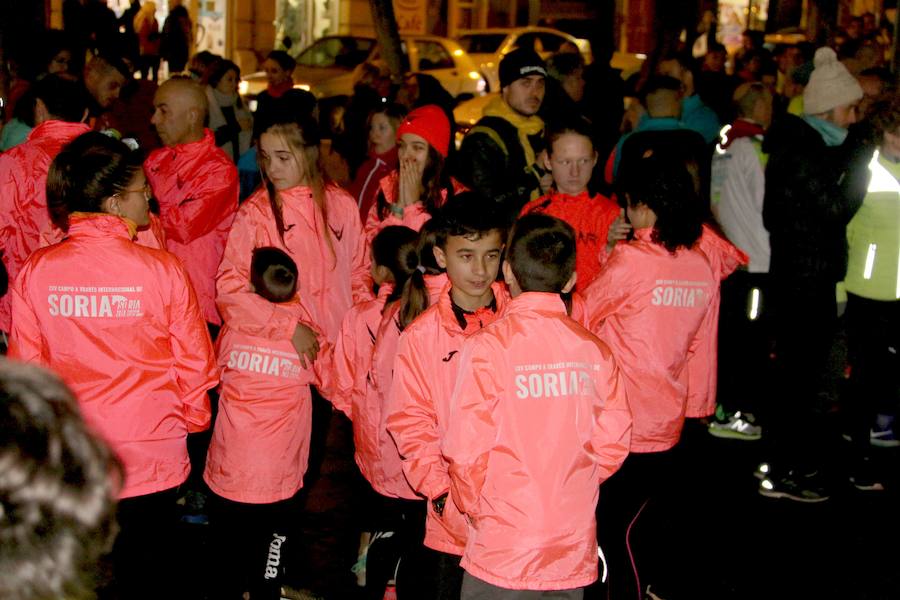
(808, 202)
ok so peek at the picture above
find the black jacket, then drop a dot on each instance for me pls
(812, 192)
(499, 172)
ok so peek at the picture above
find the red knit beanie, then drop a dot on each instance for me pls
(430, 123)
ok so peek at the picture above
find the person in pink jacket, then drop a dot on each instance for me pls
(540, 420)
(260, 444)
(649, 304)
(121, 325)
(60, 111)
(196, 185)
(382, 127)
(315, 222)
(469, 243)
(395, 515)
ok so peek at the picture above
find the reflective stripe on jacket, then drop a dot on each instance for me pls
(121, 325)
(539, 420)
(196, 185)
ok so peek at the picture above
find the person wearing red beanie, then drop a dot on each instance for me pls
(413, 192)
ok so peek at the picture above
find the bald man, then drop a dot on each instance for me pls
(196, 185)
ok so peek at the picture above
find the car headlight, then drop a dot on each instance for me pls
(243, 86)
(474, 75)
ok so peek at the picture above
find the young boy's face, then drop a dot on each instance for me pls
(472, 267)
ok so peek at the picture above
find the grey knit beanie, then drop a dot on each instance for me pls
(830, 85)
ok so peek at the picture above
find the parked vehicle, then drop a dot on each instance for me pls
(329, 67)
(488, 46)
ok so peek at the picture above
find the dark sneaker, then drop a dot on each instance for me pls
(793, 486)
(864, 478)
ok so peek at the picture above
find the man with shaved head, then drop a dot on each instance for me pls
(196, 185)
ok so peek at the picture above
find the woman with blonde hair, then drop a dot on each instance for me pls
(147, 29)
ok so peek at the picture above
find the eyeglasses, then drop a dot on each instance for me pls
(146, 191)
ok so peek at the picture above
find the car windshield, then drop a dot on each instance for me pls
(338, 52)
(482, 43)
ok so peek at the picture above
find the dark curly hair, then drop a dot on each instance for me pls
(666, 187)
(57, 490)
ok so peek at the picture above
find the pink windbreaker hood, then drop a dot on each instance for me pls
(540, 419)
(418, 407)
(328, 283)
(196, 185)
(648, 305)
(23, 196)
(121, 325)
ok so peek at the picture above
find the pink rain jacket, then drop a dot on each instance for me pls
(23, 196)
(384, 465)
(724, 258)
(539, 420)
(590, 218)
(328, 283)
(418, 407)
(648, 305)
(357, 397)
(260, 444)
(196, 185)
(121, 325)
(414, 215)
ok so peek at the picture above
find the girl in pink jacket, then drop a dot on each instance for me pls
(468, 246)
(318, 226)
(412, 194)
(649, 304)
(121, 325)
(395, 514)
(539, 420)
(260, 444)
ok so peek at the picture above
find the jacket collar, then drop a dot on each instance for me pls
(194, 149)
(59, 130)
(100, 225)
(537, 301)
(558, 196)
(452, 317)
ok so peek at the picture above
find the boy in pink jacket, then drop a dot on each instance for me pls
(260, 444)
(540, 419)
(469, 242)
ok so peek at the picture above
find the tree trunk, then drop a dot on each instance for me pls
(388, 36)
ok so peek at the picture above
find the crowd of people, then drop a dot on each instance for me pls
(518, 325)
